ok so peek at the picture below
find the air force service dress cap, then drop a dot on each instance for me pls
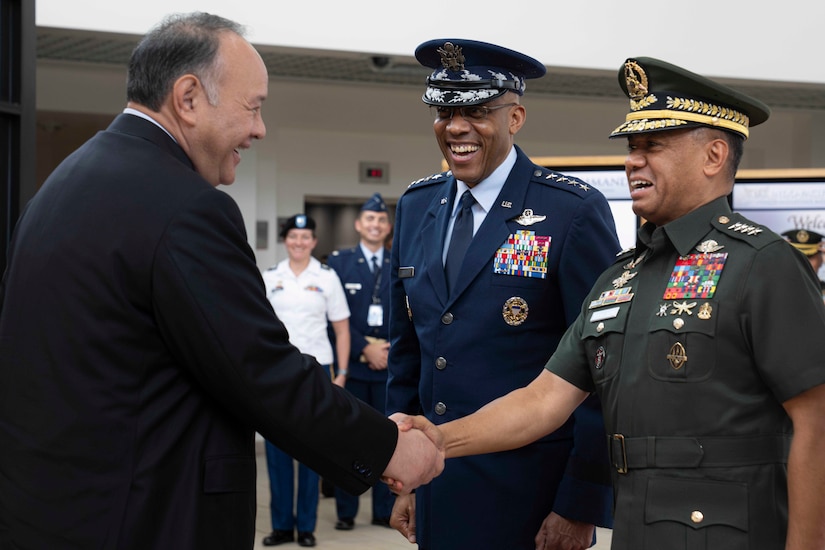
(806, 241)
(667, 97)
(375, 204)
(468, 72)
(298, 221)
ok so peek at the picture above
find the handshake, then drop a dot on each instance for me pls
(419, 454)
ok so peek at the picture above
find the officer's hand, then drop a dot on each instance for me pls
(402, 518)
(376, 355)
(558, 533)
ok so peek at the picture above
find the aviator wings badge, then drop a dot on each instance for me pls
(528, 218)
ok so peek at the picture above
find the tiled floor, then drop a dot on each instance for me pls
(363, 537)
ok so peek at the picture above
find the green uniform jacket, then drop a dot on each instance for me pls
(692, 342)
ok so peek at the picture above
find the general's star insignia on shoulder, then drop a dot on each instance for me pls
(745, 228)
(528, 218)
(438, 176)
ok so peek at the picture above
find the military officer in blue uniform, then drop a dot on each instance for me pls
(537, 241)
(713, 396)
(364, 271)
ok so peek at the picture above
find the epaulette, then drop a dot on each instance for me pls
(739, 227)
(272, 267)
(435, 178)
(561, 181)
(325, 266)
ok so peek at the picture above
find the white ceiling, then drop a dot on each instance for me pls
(719, 38)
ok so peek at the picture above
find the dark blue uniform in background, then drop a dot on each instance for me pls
(366, 290)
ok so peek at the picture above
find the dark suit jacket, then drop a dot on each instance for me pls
(451, 355)
(139, 357)
(360, 285)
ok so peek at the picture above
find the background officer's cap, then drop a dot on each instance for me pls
(468, 72)
(375, 204)
(667, 97)
(807, 241)
(298, 221)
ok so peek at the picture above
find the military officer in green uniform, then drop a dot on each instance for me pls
(715, 412)
(809, 243)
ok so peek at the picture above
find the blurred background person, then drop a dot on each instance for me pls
(305, 295)
(365, 272)
(809, 243)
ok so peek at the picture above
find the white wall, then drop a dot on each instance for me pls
(731, 38)
(317, 134)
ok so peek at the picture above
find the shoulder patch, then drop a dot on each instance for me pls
(739, 227)
(435, 178)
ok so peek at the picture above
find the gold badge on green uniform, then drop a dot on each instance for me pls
(515, 311)
(677, 356)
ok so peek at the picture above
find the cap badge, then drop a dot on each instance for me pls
(515, 311)
(636, 80)
(528, 218)
(802, 236)
(451, 57)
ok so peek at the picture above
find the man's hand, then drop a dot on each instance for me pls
(557, 533)
(406, 422)
(402, 518)
(415, 462)
(376, 355)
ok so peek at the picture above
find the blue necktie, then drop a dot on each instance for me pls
(460, 240)
(374, 265)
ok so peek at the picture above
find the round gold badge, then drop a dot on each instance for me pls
(514, 311)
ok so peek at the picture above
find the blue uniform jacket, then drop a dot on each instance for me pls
(359, 283)
(450, 356)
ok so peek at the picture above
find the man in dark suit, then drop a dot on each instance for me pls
(139, 352)
(365, 273)
(537, 241)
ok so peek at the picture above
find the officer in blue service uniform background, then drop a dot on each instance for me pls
(365, 273)
(537, 241)
(696, 342)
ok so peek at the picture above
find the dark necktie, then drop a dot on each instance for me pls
(374, 266)
(460, 241)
